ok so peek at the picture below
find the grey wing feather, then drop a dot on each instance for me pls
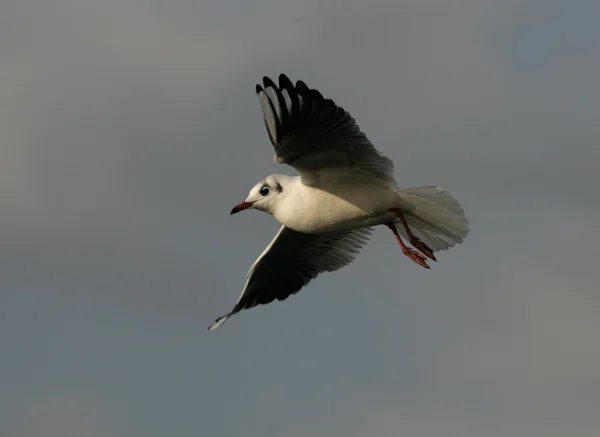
(313, 134)
(291, 261)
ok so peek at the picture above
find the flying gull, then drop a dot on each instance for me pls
(345, 187)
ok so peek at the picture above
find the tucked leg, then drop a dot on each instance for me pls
(412, 254)
(422, 247)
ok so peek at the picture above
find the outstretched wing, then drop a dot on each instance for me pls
(316, 136)
(291, 261)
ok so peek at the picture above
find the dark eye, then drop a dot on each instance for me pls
(264, 191)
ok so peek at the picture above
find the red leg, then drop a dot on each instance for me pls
(412, 254)
(422, 247)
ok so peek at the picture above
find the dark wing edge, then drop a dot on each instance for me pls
(301, 122)
(291, 261)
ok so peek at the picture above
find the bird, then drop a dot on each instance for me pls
(345, 187)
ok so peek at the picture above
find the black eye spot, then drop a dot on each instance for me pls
(264, 191)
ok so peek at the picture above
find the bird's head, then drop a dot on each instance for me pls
(264, 196)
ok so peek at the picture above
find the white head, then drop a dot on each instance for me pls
(265, 195)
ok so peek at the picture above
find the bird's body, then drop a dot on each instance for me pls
(345, 187)
(309, 209)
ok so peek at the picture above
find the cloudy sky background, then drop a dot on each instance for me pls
(128, 130)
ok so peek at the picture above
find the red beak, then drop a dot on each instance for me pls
(240, 207)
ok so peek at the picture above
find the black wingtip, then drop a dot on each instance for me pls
(268, 82)
(300, 85)
(316, 95)
(284, 81)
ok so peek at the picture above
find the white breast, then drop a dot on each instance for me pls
(307, 209)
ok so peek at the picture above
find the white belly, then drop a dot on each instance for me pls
(312, 210)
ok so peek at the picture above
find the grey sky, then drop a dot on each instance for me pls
(129, 129)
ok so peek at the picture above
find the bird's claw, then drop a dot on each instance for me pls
(416, 257)
(422, 247)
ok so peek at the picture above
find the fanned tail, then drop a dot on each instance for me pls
(433, 216)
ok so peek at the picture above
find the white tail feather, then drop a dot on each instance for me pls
(433, 216)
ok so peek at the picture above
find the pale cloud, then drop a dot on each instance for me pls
(393, 419)
(64, 414)
(527, 367)
(541, 334)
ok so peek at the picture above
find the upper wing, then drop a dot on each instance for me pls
(315, 136)
(291, 261)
